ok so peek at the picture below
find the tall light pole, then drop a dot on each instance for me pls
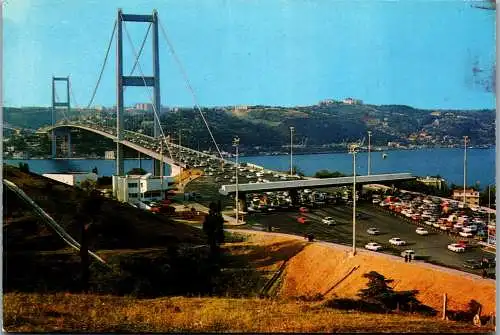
(161, 167)
(369, 151)
(465, 166)
(236, 143)
(291, 150)
(353, 149)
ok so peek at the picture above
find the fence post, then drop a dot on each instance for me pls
(445, 301)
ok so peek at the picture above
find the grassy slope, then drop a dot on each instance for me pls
(91, 313)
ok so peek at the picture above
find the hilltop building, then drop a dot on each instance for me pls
(471, 196)
(351, 101)
(109, 154)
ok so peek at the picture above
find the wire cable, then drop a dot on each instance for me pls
(103, 66)
(188, 84)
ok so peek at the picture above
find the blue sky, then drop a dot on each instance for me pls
(427, 54)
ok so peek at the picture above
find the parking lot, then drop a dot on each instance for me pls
(432, 247)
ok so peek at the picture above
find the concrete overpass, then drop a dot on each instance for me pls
(294, 185)
(314, 183)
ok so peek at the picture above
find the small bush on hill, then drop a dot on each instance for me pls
(380, 297)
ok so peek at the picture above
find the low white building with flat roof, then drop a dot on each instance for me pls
(138, 188)
(72, 178)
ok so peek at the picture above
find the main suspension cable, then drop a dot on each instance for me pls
(188, 84)
(103, 66)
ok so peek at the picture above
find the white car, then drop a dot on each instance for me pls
(376, 201)
(456, 247)
(397, 241)
(469, 229)
(328, 221)
(421, 231)
(373, 231)
(465, 234)
(373, 246)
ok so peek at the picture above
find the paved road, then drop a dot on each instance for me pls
(434, 245)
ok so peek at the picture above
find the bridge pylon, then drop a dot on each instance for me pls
(55, 106)
(122, 81)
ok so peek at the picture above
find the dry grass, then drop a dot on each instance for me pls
(68, 312)
(318, 267)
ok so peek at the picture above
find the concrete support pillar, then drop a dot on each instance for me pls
(120, 168)
(242, 199)
(53, 144)
(156, 89)
(119, 95)
(294, 195)
(68, 143)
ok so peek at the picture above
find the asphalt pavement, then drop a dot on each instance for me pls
(432, 247)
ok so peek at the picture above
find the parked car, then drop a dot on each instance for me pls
(303, 210)
(302, 220)
(373, 231)
(397, 241)
(472, 264)
(465, 234)
(455, 247)
(373, 246)
(421, 231)
(328, 221)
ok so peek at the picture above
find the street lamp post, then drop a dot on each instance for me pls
(465, 166)
(236, 143)
(369, 151)
(291, 150)
(353, 150)
(161, 168)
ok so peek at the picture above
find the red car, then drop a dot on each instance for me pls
(303, 210)
(302, 220)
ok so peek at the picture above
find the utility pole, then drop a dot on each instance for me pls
(236, 143)
(353, 150)
(465, 166)
(369, 151)
(291, 150)
(161, 168)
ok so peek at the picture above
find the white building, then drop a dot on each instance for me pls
(135, 188)
(72, 178)
(109, 154)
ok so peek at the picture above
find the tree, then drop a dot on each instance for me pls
(213, 226)
(483, 196)
(137, 171)
(328, 174)
(380, 293)
(24, 167)
(88, 185)
(296, 170)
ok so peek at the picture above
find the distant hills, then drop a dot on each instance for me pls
(324, 125)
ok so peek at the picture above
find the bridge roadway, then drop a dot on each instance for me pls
(314, 183)
(173, 154)
(150, 146)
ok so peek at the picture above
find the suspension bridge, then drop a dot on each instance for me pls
(139, 137)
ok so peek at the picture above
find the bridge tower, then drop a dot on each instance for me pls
(122, 81)
(55, 104)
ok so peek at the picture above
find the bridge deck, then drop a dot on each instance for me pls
(314, 183)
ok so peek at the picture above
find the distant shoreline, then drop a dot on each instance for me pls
(267, 153)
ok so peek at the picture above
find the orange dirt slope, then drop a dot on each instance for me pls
(319, 266)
